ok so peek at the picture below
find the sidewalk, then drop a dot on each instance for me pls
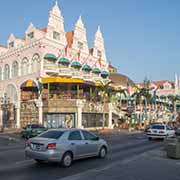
(148, 166)
(115, 131)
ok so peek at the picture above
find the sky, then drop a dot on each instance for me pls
(142, 37)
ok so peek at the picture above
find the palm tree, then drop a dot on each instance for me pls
(105, 94)
(122, 92)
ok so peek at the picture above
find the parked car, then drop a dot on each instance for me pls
(149, 126)
(160, 131)
(65, 145)
(32, 130)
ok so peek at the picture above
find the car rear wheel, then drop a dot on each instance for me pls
(102, 152)
(67, 160)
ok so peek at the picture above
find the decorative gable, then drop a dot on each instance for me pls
(14, 42)
(98, 46)
(55, 28)
(79, 37)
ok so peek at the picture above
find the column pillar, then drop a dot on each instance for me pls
(18, 124)
(18, 107)
(79, 113)
(1, 118)
(77, 91)
(40, 108)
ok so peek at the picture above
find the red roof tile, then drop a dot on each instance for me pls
(69, 37)
(44, 29)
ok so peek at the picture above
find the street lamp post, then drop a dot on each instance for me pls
(4, 106)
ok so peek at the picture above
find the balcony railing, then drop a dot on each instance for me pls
(76, 74)
(65, 71)
(51, 67)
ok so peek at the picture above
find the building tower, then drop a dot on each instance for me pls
(98, 46)
(80, 38)
(55, 27)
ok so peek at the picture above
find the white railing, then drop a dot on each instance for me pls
(65, 71)
(51, 67)
(76, 74)
(87, 76)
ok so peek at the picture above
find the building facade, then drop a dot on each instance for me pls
(52, 77)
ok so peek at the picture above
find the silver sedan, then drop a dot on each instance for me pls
(65, 145)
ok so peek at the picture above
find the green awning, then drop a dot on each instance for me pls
(50, 56)
(178, 96)
(162, 97)
(177, 105)
(86, 67)
(170, 95)
(76, 64)
(104, 73)
(96, 70)
(63, 60)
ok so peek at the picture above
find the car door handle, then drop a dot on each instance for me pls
(86, 143)
(72, 143)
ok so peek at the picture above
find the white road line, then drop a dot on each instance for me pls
(109, 166)
(97, 170)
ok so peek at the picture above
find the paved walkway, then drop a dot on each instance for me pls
(152, 165)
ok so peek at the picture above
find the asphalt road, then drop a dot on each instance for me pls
(14, 165)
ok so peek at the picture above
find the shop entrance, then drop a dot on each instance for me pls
(59, 120)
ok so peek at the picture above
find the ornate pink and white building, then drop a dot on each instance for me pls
(62, 62)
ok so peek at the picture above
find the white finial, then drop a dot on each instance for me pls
(56, 3)
(98, 32)
(12, 35)
(31, 24)
(99, 28)
(79, 22)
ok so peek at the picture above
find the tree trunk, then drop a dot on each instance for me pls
(104, 118)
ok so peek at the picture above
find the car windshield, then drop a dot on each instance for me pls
(157, 127)
(52, 134)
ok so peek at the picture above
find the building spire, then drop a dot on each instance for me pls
(56, 23)
(98, 45)
(176, 84)
(80, 23)
(56, 10)
(80, 35)
(99, 33)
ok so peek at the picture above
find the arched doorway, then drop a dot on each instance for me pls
(9, 100)
(29, 110)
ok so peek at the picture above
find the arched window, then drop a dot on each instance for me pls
(1, 73)
(15, 69)
(35, 66)
(24, 66)
(12, 93)
(6, 72)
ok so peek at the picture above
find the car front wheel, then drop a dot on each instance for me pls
(102, 152)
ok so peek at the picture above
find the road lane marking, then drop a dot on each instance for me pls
(97, 170)
(100, 169)
(120, 147)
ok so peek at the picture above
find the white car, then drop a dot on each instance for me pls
(160, 131)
